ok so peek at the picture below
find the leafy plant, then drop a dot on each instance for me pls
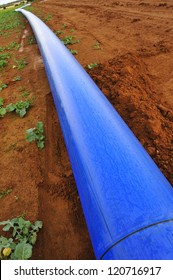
(20, 107)
(36, 134)
(31, 40)
(48, 17)
(25, 94)
(74, 51)
(4, 56)
(9, 20)
(23, 236)
(11, 45)
(14, 45)
(92, 65)
(2, 49)
(64, 25)
(1, 102)
(2, 86)
(3, 63)
(68, 40)
(20, 64)
(2, 110)
(5, 193)
(17, 78)
(59, 32)
(3, 60)
(96, 45)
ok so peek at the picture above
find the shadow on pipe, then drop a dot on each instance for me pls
(127, 202)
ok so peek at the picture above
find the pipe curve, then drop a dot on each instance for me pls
(121, 189)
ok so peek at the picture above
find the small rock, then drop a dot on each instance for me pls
(151, 150)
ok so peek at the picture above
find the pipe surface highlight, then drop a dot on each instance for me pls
(127, 202)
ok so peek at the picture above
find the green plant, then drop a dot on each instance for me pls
(3, 60)
(68, 40)
(31, 40)
(96, 45)
(25, 94)
(1, 102)
(9, 20)
(21, 63)
(2, 86)
(23, 236)
(17, 78)
(2, 49)
(5, 193)
(74, 51)
(48, 17)
(36, 134)
(11, 45)
(3, 63)
(64, 25)
(92, 65)
(59, 32)
(20, 107)
(4, 56)
(2, 110)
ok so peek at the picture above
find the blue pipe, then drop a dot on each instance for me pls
(127, 202)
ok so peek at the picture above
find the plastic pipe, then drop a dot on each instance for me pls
(127, 202)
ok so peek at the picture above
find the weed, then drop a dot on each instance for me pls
(25, 94)
(3, 63)
(4, 56)
(31, 40)
(59, 32)
(96, 45)
(36, 134)
(74, 51)
(68, 40)
(3, 60)
(48, 17)
(2, 86)
(20, 107)
(2, 49)
(72, 30)
(21, 63)
(23, 236)
(17, 47)
(1, 102)
(64, 25)
(5, 193)
(17, 78)
(2, 110)
(12, 45)
(92, 65)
